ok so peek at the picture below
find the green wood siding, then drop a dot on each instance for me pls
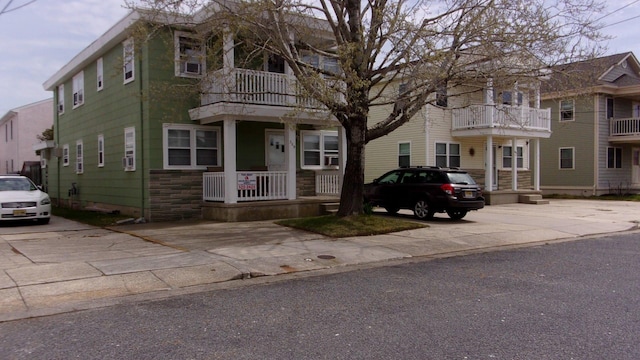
(578, 134)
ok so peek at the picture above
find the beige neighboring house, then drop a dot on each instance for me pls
(480, 128)
(19, 129)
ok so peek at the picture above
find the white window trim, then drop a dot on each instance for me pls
(78, 89)
(79, 157)
(61, 99)
(192, 133)
(65, 155)
(129, 152)
(128, 57)
(448, 153)
(573, 158)
(615, 157)
(100, 150)
(322, 134)
(179, 60)
(401, 143)
(99, 74)
(573, 110)
(514, 156)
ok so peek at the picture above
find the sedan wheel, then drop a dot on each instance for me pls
(421, 210)
(457, 214)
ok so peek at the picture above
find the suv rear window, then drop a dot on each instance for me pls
(460, 178)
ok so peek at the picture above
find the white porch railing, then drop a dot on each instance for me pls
(254, 87)
(489, 116)
(624, 127)
(328, 182)
(269, 185)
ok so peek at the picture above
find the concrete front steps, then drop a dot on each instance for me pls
(535, 199)
(329, 208)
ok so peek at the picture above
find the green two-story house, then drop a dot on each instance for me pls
(595, 113)
(131, 137)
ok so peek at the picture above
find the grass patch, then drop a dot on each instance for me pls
(357, 225)
(88, 217)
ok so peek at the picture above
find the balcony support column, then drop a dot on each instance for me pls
(290, 159)
(342, 155)
(488, 165)
(230, 175)
(536, 165)
(514, 164)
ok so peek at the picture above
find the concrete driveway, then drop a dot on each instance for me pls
(66, 266)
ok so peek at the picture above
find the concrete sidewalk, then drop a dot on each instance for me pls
(66, 266)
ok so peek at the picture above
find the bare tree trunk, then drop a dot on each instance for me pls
(351, 197)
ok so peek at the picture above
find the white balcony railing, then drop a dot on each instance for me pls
(501, 116)
(254, 87)
(260, 185)
(328, 182)
(624, 127)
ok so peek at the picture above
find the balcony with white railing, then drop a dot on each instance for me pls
(254, 87)
(500, 120)
(624, 129)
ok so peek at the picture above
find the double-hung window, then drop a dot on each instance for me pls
(508, 155)
(404, 154)
(65, 155)
(100, 74)
(566, 110)
(78, 89)
(447, 155)
(61, 99)
(614, 158)
(191, 147)
(79, 157)
(319, 149)
(128, 63)
(189, 55)
(566, 157)
(129, 159)
(100, 150)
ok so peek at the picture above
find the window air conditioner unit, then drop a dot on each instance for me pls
(192, 68)
(127, 162)
(331, 160)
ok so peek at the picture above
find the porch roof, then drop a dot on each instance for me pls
(264, 113)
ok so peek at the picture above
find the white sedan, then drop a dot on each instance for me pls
(21, 199)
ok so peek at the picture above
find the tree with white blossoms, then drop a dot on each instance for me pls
(377, 44)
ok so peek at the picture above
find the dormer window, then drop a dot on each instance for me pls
(189, 55)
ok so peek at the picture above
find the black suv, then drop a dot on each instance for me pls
(425, 190)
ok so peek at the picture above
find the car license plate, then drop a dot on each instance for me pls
(20, 212)
(468, 194)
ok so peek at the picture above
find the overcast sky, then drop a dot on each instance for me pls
(41, 37)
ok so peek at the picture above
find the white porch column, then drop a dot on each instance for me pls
(488, 100)
(290, 159)
(230, 174)
(342, 154)
(488, 165)
(514, 164)
(228, 63)
(536, 166)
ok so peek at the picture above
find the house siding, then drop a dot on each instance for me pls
(612, 180)
(577, 134)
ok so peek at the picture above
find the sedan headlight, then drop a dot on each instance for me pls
(45, 201)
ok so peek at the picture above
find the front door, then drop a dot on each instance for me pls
(635, 166)
(275, 150)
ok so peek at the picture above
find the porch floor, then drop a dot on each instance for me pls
(266, 210)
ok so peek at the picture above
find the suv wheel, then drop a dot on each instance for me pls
(421, 210)
(456, 214)
(391, 209)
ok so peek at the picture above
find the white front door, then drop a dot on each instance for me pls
(275, 150)
(635, 165)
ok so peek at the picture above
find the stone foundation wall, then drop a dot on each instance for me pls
(175, 194)
(306, 183)
(504, 178)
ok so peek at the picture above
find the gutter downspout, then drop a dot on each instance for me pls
(142, 169)
(596, 144)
